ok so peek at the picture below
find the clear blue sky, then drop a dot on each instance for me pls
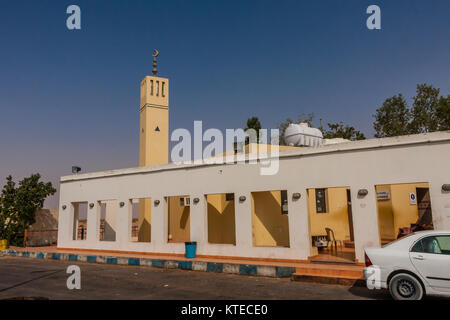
(71, 97)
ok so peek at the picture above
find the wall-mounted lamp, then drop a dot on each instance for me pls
(64, 207)
(196, 200)
(296, 196)
(91, 205)
(362, 192)
(242, 198)
(446, 187)
(156, 202)
(122, 204)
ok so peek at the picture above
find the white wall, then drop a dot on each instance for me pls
(359, 165)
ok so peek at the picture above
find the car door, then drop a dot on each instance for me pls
(431, 257)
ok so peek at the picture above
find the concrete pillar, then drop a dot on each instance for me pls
(159, 221)
(123, 223)
(299, 235)
(65, 222)
(92, 222)
(365, 219)
(243, 220)
(440, 204)
(110, 220)
(198, 218)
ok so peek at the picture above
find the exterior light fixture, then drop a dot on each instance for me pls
(91, 205)
(196, 200)
(446, 187)
(362, 192)
(122, 204)
(75, 169)
(296, 196)
(64, 207)
(156, 202)
(242, 198)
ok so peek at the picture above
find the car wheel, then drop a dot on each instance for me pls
(404, 286)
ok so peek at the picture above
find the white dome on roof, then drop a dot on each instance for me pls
(302, 135)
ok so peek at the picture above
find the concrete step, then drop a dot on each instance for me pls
(329, 280)
(349, 244)
(333, 262)
(329, 274)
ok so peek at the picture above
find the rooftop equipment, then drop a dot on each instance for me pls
(303, 135)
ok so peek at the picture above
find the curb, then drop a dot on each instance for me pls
(215, 267)
(329, 280)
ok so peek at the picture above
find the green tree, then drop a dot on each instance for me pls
(424, 110)
(339, 130)
(429, 112)
(443, 113)
(253, 123)
(18, 206)
(308, 118)
(392, 119)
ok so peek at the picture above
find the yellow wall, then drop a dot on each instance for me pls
(385, 215)
(336, 217)
(269, 226)
(397, 212)
(154, 145)
(154, 112)
(178, 220)
(221, 219)
(156, 100)
(145, 220)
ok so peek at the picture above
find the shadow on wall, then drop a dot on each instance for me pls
(144, 216)
(144, 231)
(178, 219)
(221, 219)
(270, 227)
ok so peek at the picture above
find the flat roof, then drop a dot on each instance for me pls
(369, 144)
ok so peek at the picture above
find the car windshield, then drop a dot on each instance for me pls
(400, 239)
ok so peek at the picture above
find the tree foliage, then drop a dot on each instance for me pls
(339, 130)
(429, 112)
(253, 123)
(392, 118)
(18, 206)
(423, 111)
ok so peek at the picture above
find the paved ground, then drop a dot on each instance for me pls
(23, 277)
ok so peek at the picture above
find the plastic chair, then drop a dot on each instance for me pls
(332, 239)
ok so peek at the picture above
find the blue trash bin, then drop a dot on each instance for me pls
(191, 248)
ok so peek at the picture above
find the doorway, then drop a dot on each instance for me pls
(424, 206)
(402, 209)
(331, 225)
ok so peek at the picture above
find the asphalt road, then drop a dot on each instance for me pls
(32, 278)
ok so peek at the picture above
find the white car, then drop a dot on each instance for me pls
(412, 266)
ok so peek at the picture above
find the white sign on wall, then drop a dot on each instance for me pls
(412, 198)
(383, 195)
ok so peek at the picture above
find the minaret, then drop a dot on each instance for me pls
(153, 136)
(154, 119)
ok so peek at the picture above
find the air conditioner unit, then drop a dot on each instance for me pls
(185, 201)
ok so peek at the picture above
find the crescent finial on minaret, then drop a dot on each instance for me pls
(155, 54)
